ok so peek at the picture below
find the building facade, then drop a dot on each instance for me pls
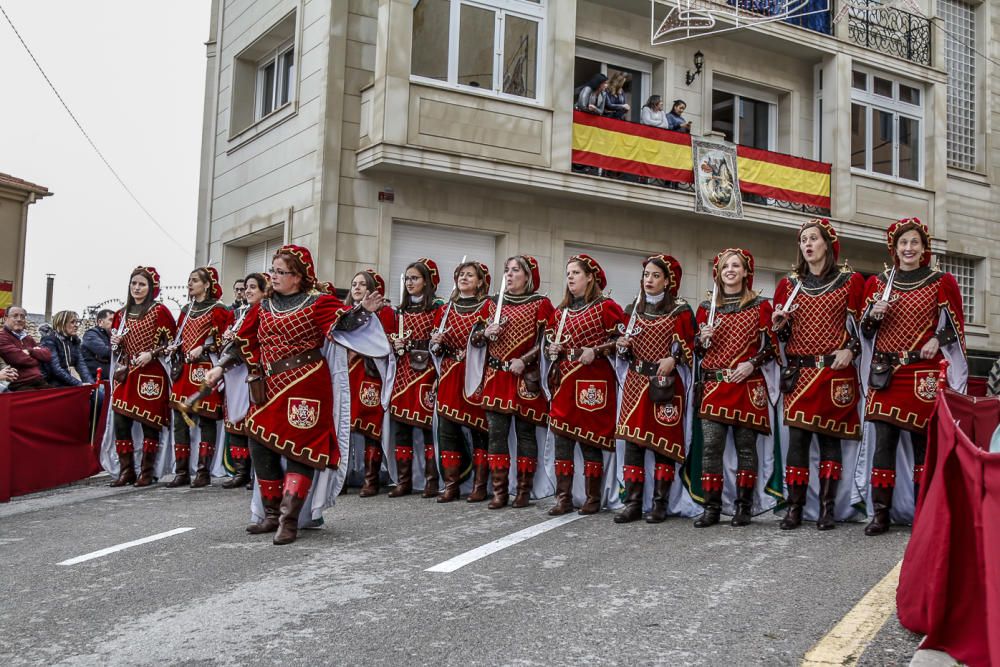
(16, 195)
(379, 131)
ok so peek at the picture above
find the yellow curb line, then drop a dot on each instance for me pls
(844, 644)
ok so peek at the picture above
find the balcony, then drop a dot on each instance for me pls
(814, 15)
(654, 156)
(891, 31)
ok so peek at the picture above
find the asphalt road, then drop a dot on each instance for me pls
(356, 592)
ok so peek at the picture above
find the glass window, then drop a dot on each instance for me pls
(882, 142)
(886, 129)
(723, 116)
(859, 80)
(909, 144)
(287, 77)
(431, 22)
(520, 49)
(959, 35)
(475, 47)
(883, 87)
(909, 94)
(267, 77)
(859, 129)
(750, 126)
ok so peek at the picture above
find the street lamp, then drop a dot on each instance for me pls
(699, 62)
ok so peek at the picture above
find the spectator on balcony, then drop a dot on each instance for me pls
(615, 106)
(66, 368)
(675, 119)
(96, 348)
(594, 95)
(653, 114)
(20, 351)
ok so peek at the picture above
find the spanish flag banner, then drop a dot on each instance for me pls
(653, 152)
(6, 296)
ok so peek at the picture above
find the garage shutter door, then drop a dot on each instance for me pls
(446, 246)
(624, 270)
(259, 256)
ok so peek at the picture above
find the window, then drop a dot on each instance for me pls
(264, 76)
(592, 60)
(489, 45)
(959, 35)
(964, 270)
(886, 116)
(743, 119)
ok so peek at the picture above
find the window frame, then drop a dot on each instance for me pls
(894, 106)
(274, 57)
(975, 264)
(979, 93)
(609, 58)
(530, 10)
(740, 92)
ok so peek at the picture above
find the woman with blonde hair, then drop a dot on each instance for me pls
(66, 369)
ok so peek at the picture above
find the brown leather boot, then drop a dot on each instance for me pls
(373, 468)
(633, 499)
(712, 485)
(796, 500)
(202, 476)
(296, 490)
(827, 503)
(431, 488)
(148, 463)
(664, 478)
(270, 496)
(564, 490)
(500, 472)
(451, 467)
(744, 506)
(126, 463)
(404, 472)
(182, 458)
(592, 477)
(241, 461)
(881, 503)
(481, 476)
(525, 481)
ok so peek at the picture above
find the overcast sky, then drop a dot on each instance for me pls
(133, 73)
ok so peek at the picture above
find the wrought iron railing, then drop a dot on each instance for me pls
(889, 30)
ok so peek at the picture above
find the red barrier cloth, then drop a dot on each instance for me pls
(45, 439)
(949, 585)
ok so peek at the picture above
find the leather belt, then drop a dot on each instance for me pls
(648, 368)
(821, 361)
(498, 364)
(722, 375)
(293, 362)
(898, 358)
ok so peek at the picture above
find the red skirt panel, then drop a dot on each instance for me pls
(451, 400)
(144, 395)
(908, 401)
(188, 384)
(366, 400)
(825, 401)
(659, 427)
(297, 420)
(737, 403)
(413, 394)
(583, 407)
(506, 393)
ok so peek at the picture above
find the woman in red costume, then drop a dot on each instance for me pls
(140, 334)
(255, 289)
(582, 384)
(293, 405)
(734, 341)
(449, 343)
(201, 325)
(412, 403)
(911, 326)
(651, 416)
(507, 378)
(367, 413)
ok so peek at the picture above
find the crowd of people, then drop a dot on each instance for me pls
(512, 396)
(607, 97)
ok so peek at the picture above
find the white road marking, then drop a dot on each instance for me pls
(124, 545)
(462, 560)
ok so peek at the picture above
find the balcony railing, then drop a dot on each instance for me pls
(812, 14)
(654, 156)
(890, 30)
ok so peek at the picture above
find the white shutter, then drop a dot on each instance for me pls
(446, 246)
(623, 268)
(255, 259)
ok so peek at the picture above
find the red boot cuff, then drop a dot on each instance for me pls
(664, 472)
(150, 445)
(830, 469)
(746, 479)
(883, 478)
(796, 476)
(404, 453)
(239, 453)
(498, 461)
(634, 474)
(182, 450)
(124, 446)
(297, 484)
(564, 467)
(451, 459)
(526, 464)
(205, 449)
(479, 457)
(593, 468)
(918, 474)
(429, 451)
(373, 454)
(711, 482)
(269, 488)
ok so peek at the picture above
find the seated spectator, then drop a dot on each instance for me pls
(675, 119)
(653, 114)
(594, 95)
(7, 375)
(615, 105)
(96, 347)
(21, 352)
(66, 369)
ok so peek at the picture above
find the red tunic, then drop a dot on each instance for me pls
(911, 321)
(145, 393)
(584, 403)
(824, 400)
(413, 391)
(366, 387)
(451, 400)
(657, 426)
(208, 323)
(502, 391)
(738, 337)
(297, 419)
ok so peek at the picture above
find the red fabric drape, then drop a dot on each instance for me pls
(949, 586)
(45, 439)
